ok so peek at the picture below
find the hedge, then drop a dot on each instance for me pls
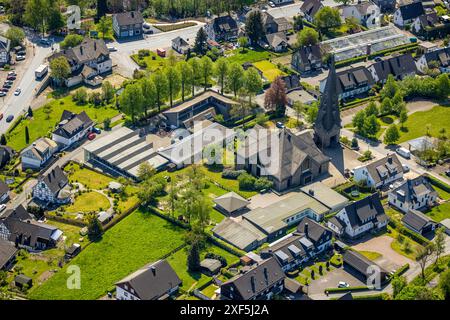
(379, 296)
(401, 270)
(406, 232)
(438, 183)
(337, 290)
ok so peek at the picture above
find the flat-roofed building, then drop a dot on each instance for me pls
(325, 195)
(123, 151)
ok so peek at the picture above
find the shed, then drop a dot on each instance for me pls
(231, 202)
(115, 187)
(22, 280)
(292, 285)
(73, 251)
(104, 217)
(446, 224)
(211, 266)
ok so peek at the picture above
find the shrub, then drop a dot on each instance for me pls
(246, 181)
(232, 174)
(263, 183)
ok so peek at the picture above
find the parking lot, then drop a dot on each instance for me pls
(331, 280)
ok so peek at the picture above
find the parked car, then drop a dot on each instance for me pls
(10, 82)
(21, 53)
(1, 116)
(111, 48)
(343, 284)
(280, 125)
(10, 118)
(271, 4)
(91, 136)
(405, 153)
(11, 78)
(378, 59)
(96, 130)
(405, 168)
(45, 41)
(12, 73)
(447, 173)
(6, 86)
(17, 92)
(20, 58)
(2, 207)
(2, 93)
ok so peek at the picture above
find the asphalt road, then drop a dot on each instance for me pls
(15, 105)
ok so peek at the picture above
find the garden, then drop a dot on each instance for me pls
(46, 117)
(149, 60)
(269, 70)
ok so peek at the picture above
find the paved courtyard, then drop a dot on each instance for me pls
(390, 259)
(331, 280)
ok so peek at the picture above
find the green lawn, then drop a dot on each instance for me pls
(130, 200)
(91, 201)
(209, 290)
(444, 195)
(440, 212)
(152, 62)
(269, 70)
(371, 255)
(178, 261)
(248, 55)
(416, 125)
(87, 177)
(137, 240)
(41, 124)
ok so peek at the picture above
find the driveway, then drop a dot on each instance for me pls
(390, 259)
(331, 280)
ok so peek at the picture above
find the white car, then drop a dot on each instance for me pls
(20, 58)
(2, 207)
(271, 4)
(343, 284)
(17, 92)
(405, 167)
(111, 49)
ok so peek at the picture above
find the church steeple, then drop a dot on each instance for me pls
(328, 122)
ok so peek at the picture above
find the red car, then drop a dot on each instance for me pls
(1, 116)
(91, 136)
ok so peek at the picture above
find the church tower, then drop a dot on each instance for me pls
(327, 126)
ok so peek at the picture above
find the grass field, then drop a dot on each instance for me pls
(269, 70)
(371, 255)
(248, 55)
(152, 62)
(41, 124)
(176, 26)
(416, 125)
(440, 212)
(88, 178)
(91, 201)
(138, 239)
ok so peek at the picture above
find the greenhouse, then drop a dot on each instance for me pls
(362, 43)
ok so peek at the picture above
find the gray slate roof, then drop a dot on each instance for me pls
(398, 66)
(72, 124)
(411, 10)
(365, 210)
(7, 251)
(129, 18)
(315, 231)
(442, 56)
(359, 262)
(264, 275)
(55, 180)
(353, 78)
(410, 189)
(311, 7)
(389, 164)
(416, 219)
(152, 281)
(88, 50)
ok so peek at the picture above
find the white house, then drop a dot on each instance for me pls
(180, 45)
(413, 194)
(379, 173)
(407, 13)
(53, 188)
(366, 13)
(359, 217)
(72, 128)
(155, 281)
(439, 57)
(36, 155)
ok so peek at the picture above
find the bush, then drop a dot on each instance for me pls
(246, 181)
(263, 183)
(232, 174)
(360, 288)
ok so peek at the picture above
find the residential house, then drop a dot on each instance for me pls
(155, 281)
(275, 41)
(385, 5)
(309, 9)
(291, 82)
(407, 13)
(36, 156)
(319, 235)
(275, 25)
(364, 267)
(418, 222)
(379, 173)
(72, 128)
(261, 282)
(431, 26)
(19, 227)
(413, 194)
(222, 28)
(294, 159)
(128, 24)
(439, 58)
(180, 45)
(281, 2)
(8, 253)
(53, 187)
(365, 12)
(87, 61)
(4, 192)
(5, 51)
(307, 59)
(352, 82)
(359, 218)
(6, 154)
(325, 195)
(399, 66)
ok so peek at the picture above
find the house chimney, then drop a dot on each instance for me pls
(81, 49)
(252, 282)
(306, 228)
(311, 192)
(95, 46)
(266, 276)
(132, 14)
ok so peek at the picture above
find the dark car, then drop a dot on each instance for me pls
(280, 125)
(96, 130)
(447, 173)
(10, 118)
(11, 78)
(6, 85)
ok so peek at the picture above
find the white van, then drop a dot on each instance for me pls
(405, 153)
